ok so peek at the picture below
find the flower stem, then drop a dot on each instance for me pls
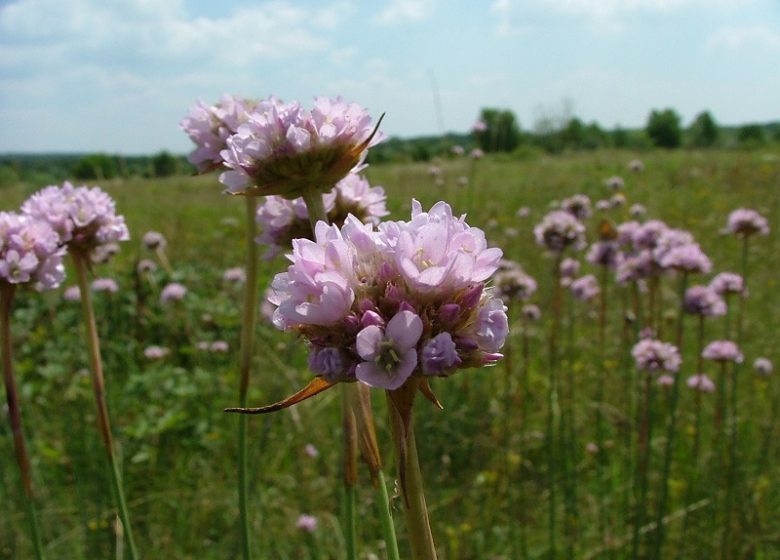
(315, 207)
(15, 414)
(415, 511)
(98, 386)
(246, 351)
(386, 516)
(552, 397)
(671, 427)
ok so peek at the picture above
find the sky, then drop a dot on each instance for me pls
(119, 75)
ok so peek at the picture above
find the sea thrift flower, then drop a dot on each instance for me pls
(665, 380)
(382, 305)
(559, 230)
(104, 253)
(585, 288)
(390, 354)
(726, 283)
(85, 218)
(105, 285)
(154, 240)
(646, 235)
(307, 523)
(702, 300)
(655, 356)
(512, 283)
(283, 149)
(591, 448)
(569, 267)
(604, 253)
(172, 292)
(462, 181)
(602, 205)
(72, 293)
(209, 127)
(29, 252)
(146, 266)
(523, 212)
(617, 200)
(637, 211)
(701, 383)
(763, 366)
(577, 205)
(234, 275)
(685, 258)
(614, 183)
(457, 150)
(219, 347)
(156, 352)
(636, 165)
(479, 126)
(311, 451)
(747, 222)
(476, 153)
(625, 233)
(531, 312)
(434, 170)
(284, 220)
(722, 351)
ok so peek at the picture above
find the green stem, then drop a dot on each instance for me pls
(415, 510)
(315, 207)
(98, 386)
(671, 427)
(386, 517)
(601, 457)
(246, 352)
(643, 463)
(551, 405)
(15, 414)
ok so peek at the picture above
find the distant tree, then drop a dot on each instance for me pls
(95, 166)
(8, 176)
(751, 135)
(501, 131)
(619, 137)
(663, 128)
(703, 131)
(164, 164)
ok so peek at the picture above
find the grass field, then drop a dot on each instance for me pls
(487, 473)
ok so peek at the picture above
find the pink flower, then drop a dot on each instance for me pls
(105, 285)
(722, 351)
(29, 252)
(747, 222)
(156, 352)
(72, 293)
(154, 240)
(307, 523)
(283, 149)
(172, 292)
(560, 230)
(656, 356)
(390, 354)
(234, 275)
(701, 383)
(726, 283)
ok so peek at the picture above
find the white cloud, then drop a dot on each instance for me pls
(739, 37)
(405, 11)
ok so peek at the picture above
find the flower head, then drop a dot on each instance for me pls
(763, 366)
(209, 127)
(84, 218)
(559, 230)
(156, 352)
(654, 356)
(172, 292)
(105, 285)
(512, 283)
(383, 304)
(722, 351)
(29, 252)
(72, 293)
(726, 283)
(235, 275)
(585, 288)
(307, 523)
(614, 183)
(283, 220)
(283, 149)
(700, 382)
(154, 240)
(577, 205)
(703, 300)
(747, 222)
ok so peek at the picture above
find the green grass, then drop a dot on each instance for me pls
(179, 451)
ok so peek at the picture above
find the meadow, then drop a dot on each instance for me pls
(486, 457)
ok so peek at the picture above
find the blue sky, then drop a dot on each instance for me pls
(118, 75)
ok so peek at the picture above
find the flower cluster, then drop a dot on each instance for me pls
(283, 149)
(29, 252)
(512, 283)
(578, 206)
(701, 382)
(383, 304)
(209, 127)
(585, 288)
(559, 230)
(283, 220)
(722, 351)
(763, 366)
(747, 222)
(703, 300)
(84, 218)
(727, 283)
(656, 356)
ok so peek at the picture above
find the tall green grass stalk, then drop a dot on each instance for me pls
(15, 415)
(552, 396)
(80, 262)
